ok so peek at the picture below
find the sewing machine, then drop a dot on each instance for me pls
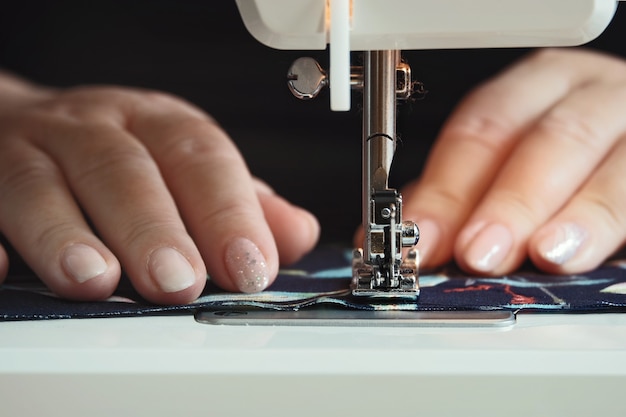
(545, 365)
(381, 29)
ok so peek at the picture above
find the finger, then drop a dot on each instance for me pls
(555, 158)
(295, 230)
(359, 237)
(477, 140)
(591, 227)
(39, 217)
(214, 191)
(4, 264)
(121, 189)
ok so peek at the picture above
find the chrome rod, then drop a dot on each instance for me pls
(379, 127)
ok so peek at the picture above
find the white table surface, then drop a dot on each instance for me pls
(545, 365)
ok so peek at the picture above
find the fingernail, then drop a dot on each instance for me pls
(170, 270)
(82, 262)
(247, 266)
(429, 237)
(489, 248)
(314, 225)
(562, 243)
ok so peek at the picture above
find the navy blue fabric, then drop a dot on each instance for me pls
(324, 278)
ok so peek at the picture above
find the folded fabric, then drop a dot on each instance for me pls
(324, 277)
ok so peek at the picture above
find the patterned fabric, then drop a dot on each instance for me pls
(324, 278)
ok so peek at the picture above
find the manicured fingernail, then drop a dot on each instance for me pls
(170, 270)
(562, 243)
(489, 248)
(247, 266)
(82, 262)
(429, 237)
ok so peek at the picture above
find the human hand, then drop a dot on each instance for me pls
(98, 179)
(531, 164)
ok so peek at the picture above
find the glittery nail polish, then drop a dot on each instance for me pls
(247, 266)
(562, 243)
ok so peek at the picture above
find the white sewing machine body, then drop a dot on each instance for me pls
(430, 24)
(372, 25)
(560, 365)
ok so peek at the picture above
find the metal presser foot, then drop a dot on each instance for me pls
(383, 272)
(378, 269)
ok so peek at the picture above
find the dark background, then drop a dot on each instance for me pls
(201, 51)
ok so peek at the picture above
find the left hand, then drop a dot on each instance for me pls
(96, 179)
(531, 164)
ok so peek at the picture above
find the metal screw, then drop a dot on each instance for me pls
(306, 78)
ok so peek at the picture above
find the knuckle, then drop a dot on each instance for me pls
(146, 228)
(52, 231)
(444, 197)
(605, 209)
(24, 173)
(62, 108)
(57, 107)
(96, 94)
(523, 208)
(569, 126)
(159, 101)
(488, 131)
(197, 140)
(225, 214)
(79, 105)
(110, 157)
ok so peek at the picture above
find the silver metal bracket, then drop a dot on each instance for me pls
(306, 79)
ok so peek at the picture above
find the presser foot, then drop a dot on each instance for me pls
(372, 280)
